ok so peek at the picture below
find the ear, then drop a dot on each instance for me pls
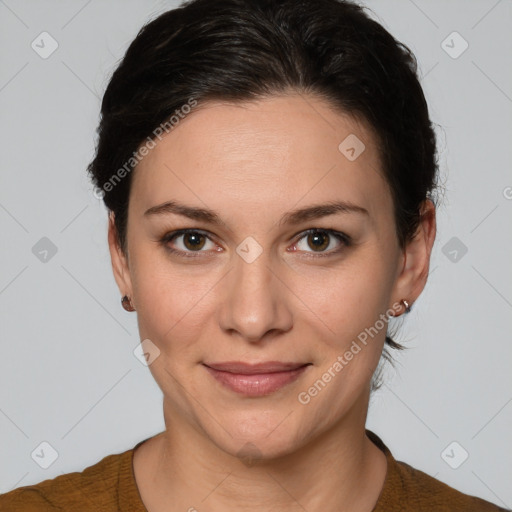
(119, 260)
(416, 257)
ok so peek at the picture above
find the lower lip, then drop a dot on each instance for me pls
(260, 384)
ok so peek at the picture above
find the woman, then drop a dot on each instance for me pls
(270, 170)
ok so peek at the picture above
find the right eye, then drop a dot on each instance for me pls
(188, 241)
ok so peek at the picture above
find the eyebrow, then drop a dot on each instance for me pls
(289, 218)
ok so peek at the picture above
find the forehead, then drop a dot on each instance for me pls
(280, 148)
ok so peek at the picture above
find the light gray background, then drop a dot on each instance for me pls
(68, 373)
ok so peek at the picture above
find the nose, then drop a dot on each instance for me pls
(255, 303)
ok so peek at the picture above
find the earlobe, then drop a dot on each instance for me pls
(403, 307)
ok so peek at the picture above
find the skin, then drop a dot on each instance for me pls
(252, 163)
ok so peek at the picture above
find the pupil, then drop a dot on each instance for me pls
(316, 238)
(193, 240)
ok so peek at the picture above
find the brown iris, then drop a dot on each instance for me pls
(318, 240)
(194, 241)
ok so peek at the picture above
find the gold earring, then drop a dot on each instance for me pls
(406, 306)
(127, 303)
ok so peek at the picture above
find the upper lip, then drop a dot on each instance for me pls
(242, 368)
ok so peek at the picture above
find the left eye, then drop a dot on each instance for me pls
(322, 241)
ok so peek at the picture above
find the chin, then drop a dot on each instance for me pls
(259, 448)
(257, 433)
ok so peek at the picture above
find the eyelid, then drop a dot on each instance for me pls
(172, 235)
(343, 238)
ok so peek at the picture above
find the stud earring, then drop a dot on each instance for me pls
(406, 306)
(127, 303)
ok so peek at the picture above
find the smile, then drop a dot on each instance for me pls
(255, 380)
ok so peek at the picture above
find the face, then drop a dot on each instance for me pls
(258, 311)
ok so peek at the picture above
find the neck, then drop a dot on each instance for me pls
(340, 470)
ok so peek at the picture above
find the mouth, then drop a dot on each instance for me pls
(258, 379)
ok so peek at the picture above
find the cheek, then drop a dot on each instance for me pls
(343, 317)
(172, 302)
(345, 299)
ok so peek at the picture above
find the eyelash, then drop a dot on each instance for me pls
(341, 237)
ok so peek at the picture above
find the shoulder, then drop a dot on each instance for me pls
(406, 489)
(424, 493)
(95, 488)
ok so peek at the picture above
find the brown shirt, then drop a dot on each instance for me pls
(109, 486)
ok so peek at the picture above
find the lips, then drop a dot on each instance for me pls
(259, 379)
(254, 369)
